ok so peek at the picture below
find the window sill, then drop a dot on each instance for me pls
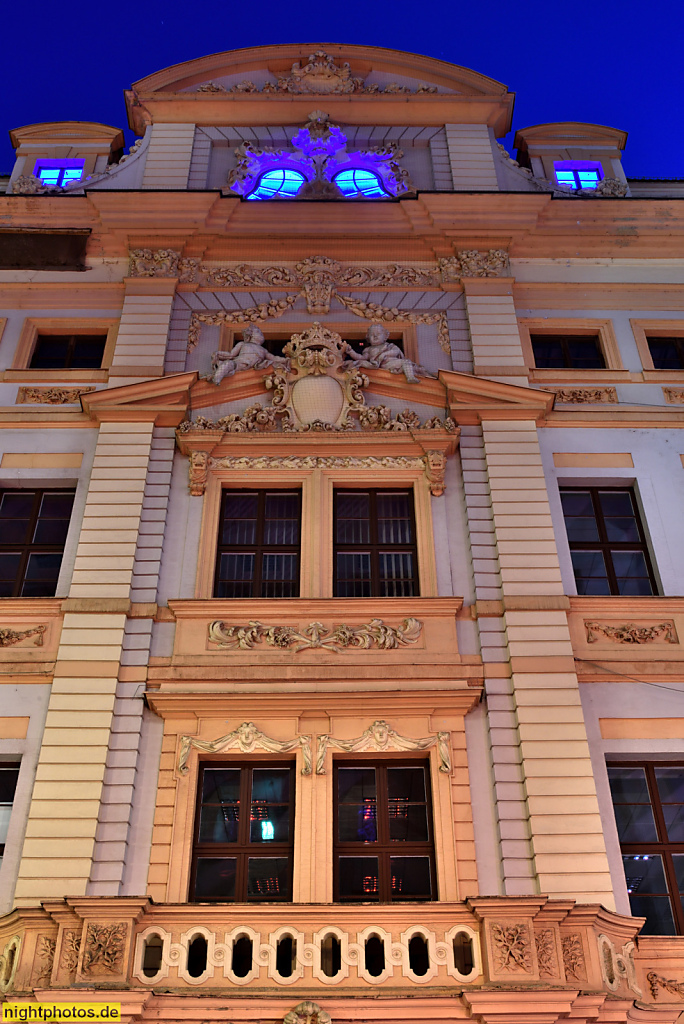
(608, 376)
(28, 376)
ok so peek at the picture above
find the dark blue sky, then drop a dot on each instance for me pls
(618, 64)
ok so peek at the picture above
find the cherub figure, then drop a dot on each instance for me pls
(382, 354)
(248, 354)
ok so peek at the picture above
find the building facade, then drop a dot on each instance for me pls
(340, 613)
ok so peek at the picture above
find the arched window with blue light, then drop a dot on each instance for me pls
(578, 173)
(355, 181)
(281, 182)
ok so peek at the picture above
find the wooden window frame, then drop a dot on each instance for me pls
(259, 547)
(642, 329)
(614, 370)
(27, 549)
(33, 326)
(605, 546)
(384, 848)
(9, 766)
(374, 545)
(228, 336)
(242, 849)
(661, 847)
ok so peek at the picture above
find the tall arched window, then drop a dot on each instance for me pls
(353, 181)
(281, 181)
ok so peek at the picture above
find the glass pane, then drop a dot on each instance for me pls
(658, 913)
(548, 353)
(396, 574)
(580, 520)
(236, 572)
(42, 571)
(51, 352)
(353, 574)
(16, 509)
(358, 878)
(215, 878)
(644, 873)
(357, 805)
(577, 503)
(619, 516)
(56, 505)
(410, 878)
(678, 859)
(281, 524)
(406, 805)
(353, 523)
(270, 808)
(632, 574)
(616, 503)
(628, 785)
(585, 353)
(279, 575)
(268, 878)
(88, 352)
(666, 353)
(9, 567)
(220, 813)
(671, 788)
(5, 815)
(394, 518)
(53, 518)
(239, 518)
(590, 572)
(8, 783)
(631, 802)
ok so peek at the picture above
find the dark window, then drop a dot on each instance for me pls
(667, 353)
(258, 549)
(375, 544)
(567, 352)
(9, 773)
(68, 352)
(274, 343)
(33, 528)
(244, 834)
(648, 800)
(607, 542)
(383, 833)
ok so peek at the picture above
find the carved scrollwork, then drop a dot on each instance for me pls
(50, 396)
(10, 637)
(475, 263)
(585, 396)
(104, 948)
(629, 633)
(315, 636)
(674, 396)
(512, 947)
(153, 263)
(246, 738)
(270, 310)
(381, 737)
(385, 314)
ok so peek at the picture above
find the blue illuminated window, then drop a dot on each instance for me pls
(281, 181)
(356, 182)
(578, 173)
(59, 173)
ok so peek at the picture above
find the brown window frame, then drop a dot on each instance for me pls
(259, 548)
(606, 546)
(374, 546)
(14, 766)
(663, 847)
(563, 338)
(242, 849)
(384, 848)
(27, 549)
(71, 346)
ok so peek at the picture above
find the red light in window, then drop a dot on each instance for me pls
(397, 883)
(266, 886)
(370, 884)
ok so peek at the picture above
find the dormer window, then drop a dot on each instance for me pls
(578, 173)
(59, 173)
(283, 182)
(358, 182)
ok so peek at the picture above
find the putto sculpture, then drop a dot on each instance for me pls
(248, 354)
(383, 354)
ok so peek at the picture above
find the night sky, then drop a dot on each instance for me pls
(612, 63)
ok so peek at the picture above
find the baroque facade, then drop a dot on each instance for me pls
(340, 624)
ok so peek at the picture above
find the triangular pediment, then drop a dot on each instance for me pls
(163, 401)
(473, 399)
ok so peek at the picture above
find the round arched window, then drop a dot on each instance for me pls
(354, 181)
(281, 181)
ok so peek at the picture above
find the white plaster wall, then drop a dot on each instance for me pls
(20, 701)
(180, 549)
(658, 480)
(16, 317)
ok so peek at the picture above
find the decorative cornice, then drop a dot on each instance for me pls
(270, 310)
(316, 636)
(246, 738)
(585, 396)
(10, 637)
(51, 396)
(630, 633)
(381, 737)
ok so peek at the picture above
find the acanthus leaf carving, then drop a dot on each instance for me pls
(381, 737)
(585, 396)
(153, 263)
(104, 948)
(630, 633)
(475, 263)
(9, 637)
(320, 75)
(512, 947)
(51, 396)
(315, 636)
(246, 738)
(270, 310)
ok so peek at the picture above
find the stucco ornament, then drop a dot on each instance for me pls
(475, 263)
(435, 470)
(320, 75)
(315, 636)
(573, 957)
(383, 354)
(381, 737)
(9, 637)
(70, 951)
(246, 738)
(343, 275)
(307, 1013)
(674, 396)
(630, 633)
(248, 354)
(104, 948)
(546, 953)
(51, 396)
(657, 981)
(45, 959)
(512, 947)
(153, 263)
(270, 310)
(390, 314)
(585, 396)
(30, 185)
